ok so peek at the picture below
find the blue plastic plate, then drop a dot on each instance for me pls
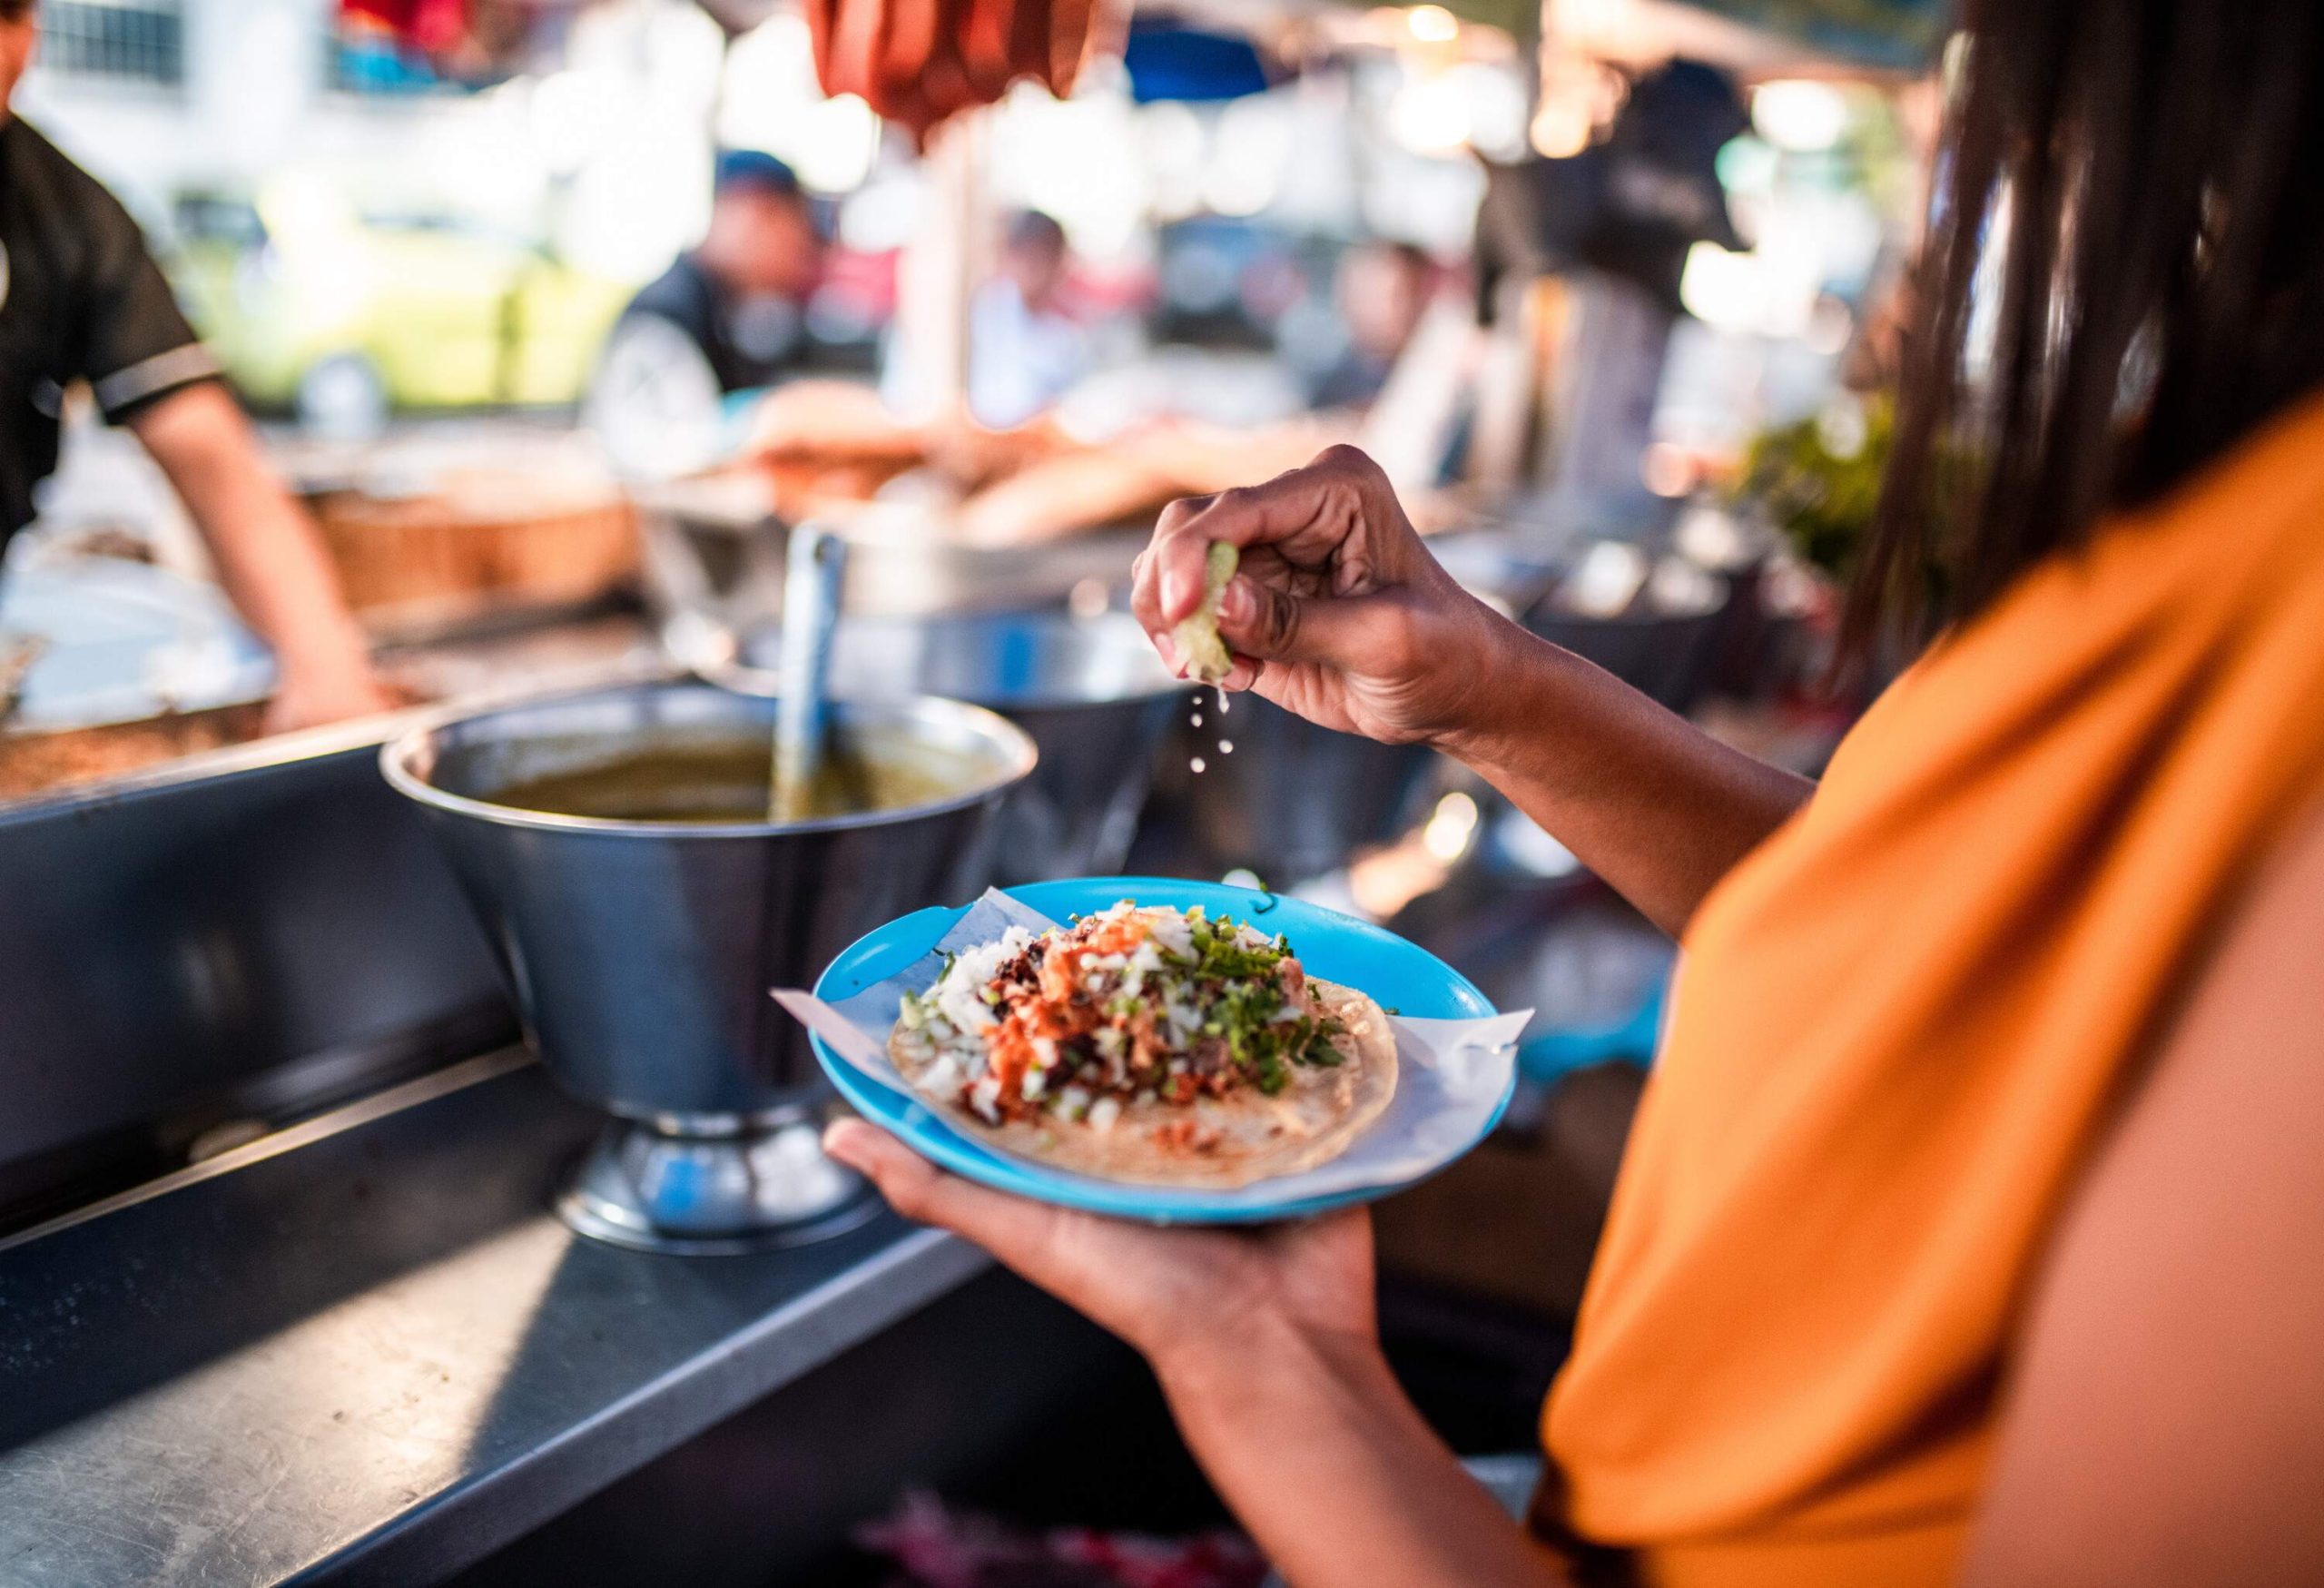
(1396, 973)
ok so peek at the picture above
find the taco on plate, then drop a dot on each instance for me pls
(1149, 1044)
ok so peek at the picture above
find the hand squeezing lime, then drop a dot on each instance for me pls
(1208, 658)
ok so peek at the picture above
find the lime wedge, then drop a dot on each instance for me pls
(1197, 632)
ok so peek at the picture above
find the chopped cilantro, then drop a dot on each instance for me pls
(1225, 984)
(1222, 956)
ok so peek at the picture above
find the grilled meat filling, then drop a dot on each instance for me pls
(1129, 1004)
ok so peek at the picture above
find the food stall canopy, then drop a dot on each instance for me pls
(1760, 38)
(1206, 50)
(1900, 36)
(1169, 59)
(1884, 35)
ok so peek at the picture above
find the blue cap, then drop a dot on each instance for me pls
(755, 168)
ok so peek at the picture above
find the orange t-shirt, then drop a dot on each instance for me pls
(1898, 1026)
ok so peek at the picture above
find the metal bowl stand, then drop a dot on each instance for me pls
(714, 1184)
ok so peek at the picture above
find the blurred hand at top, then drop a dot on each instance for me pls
(1337, 611)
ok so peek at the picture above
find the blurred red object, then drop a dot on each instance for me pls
(434, 26)
(917, 61)
(934, 1545)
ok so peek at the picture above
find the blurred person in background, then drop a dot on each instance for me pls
(1025, 351)
(1966, 1232)
(81, 300)
(729, 316)
(1380, 288)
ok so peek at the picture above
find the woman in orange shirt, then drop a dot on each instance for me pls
(1966, 1232)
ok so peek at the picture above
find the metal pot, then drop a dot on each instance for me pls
(640, 954)
(1090, 690)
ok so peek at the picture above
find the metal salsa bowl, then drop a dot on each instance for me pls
(640, 952)
(1090, 690)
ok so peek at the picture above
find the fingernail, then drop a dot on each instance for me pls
(1239, 604)
(1177, 592)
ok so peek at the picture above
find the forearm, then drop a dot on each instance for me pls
(279, 578)
(1652, 804)
(268, 554)
(269, 558)
(1338, 613)
(1316, 1448)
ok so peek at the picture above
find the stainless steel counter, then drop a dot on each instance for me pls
(363, 1351)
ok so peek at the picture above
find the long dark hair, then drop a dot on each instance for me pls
(2122, 275)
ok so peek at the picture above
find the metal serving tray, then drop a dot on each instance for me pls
(195, 952)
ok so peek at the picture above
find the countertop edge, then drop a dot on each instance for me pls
(469, 1521)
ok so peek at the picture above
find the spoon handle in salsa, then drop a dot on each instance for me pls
(814, 563)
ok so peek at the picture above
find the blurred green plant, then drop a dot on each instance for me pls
(1817, 479)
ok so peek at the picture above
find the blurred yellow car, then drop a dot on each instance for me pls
(344, 318)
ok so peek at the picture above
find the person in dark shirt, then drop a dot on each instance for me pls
(81, 300)
(729, 315)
